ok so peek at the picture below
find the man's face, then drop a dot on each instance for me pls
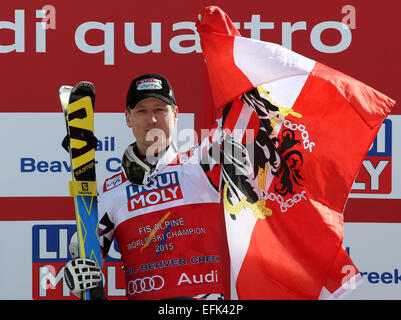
(152, 122)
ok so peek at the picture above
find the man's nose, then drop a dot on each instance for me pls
(151, 117)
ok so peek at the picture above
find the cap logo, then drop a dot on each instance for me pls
(149, 84)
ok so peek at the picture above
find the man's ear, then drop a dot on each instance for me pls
(127, 118)
(175, 114)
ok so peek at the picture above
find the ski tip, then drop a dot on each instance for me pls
(64, 89)
(64, 95)
(86, 85)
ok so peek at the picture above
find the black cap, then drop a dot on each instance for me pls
(149, 86)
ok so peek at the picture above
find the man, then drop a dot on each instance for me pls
(163, 210)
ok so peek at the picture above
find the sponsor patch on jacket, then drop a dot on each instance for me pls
(165, 187)
(114, 181)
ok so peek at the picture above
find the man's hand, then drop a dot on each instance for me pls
(81, 274)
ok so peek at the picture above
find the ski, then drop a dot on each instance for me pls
(78, 108)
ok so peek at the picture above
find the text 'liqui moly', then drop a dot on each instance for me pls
(164, 188)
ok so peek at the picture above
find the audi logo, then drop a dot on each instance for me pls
(145, 284)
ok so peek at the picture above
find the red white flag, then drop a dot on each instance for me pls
(312, 126)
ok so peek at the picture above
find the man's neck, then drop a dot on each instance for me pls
(142, 153)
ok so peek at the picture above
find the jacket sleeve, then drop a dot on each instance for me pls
(106, 226)
(207, 154)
